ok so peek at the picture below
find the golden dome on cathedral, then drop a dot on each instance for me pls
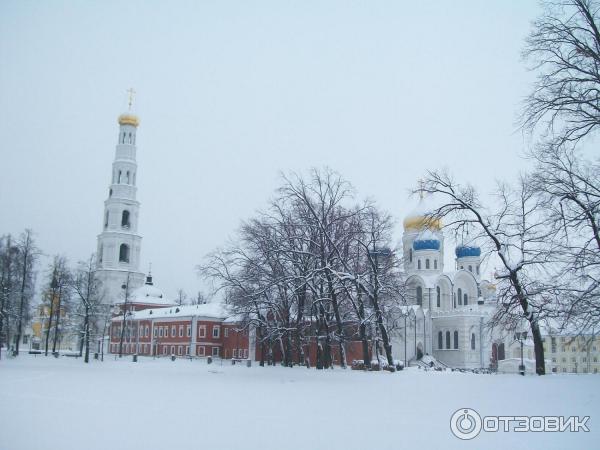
(129, 119)
(420, 222)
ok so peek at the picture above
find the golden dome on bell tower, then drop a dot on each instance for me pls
(129, 118)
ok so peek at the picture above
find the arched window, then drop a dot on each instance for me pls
(471, 269)
(472, 341)
(456, 340)
(124, 253)
(127, 177)
(435, 264)
(477, 269)
(427, 263)
(106, 220)
(125, 219)
(418, 264)
(459, 296)
(130, 140)
(119, 179)
(100, 253)
(110, 193)
(419, 296)
(123, 138)
(134, 178)
(410, 255)
(465, 299)
(453, 300)
(439, 297)
(440, 340)
(448, 340)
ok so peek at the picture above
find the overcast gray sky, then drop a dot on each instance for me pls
(231, 93)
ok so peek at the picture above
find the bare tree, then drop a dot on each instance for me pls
(564, 49)
(87, 287)
(181, 297)
(570, 187)
(27, 256)
(517, 234)
(8, 277)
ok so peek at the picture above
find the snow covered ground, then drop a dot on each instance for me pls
(48, 403)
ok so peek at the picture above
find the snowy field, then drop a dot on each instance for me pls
(51, 404)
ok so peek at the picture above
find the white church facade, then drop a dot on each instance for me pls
(449, 310)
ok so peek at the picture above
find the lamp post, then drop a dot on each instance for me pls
(521, 337)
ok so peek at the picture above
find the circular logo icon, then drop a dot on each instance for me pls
(465, 423)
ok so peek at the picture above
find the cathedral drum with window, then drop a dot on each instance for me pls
(446, 316)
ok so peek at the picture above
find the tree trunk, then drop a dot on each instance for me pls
(50, 318)
(57, 322)
(22, 296)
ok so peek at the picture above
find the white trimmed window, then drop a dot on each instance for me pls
(202, 331)
(173, 331)
(187, 350)
(180, 330)
(200, 350)
(226, 332)
(234, 353)
(147, 331)
(172, 349)
(189, 330)
(245, 353)
(160, 332)
(164, 349)
(216, 332)
(180, 350)
(215, 351)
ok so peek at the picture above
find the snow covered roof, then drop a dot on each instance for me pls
(215, 310)
(150, 294)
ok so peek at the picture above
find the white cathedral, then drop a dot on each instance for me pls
(448, 313)
(449, 309)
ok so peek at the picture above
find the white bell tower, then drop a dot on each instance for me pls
(119, 244)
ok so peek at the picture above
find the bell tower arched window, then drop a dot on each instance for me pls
(125, 219)
(447, 340)
(440, 340)
(427, 263)
(472, 341)
(106, 220)
(419, 264)
(459, 296)
(435, 264)
(410, 255)
(419, 296)
(466, 299)
(124, 253)
(439, 297)
(456, 340)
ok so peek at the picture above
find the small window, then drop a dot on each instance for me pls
(245, 353)
(164, 349)
(427, 263)
(419, 296)
(439, 297)
(215, 351)
(160, 332)
(471, 269)
(465, 299)
(418, 264)
(440, 340)
(124, 253)
(189, 331)
(147, 333)
(234, 352)
(435, 264)
(410, 255)
(226, 332)
(456, 340)
(472, 341)
(200, 350)
(173, 331)
(447, 340)
(172, 349)
(180, 350)
(202, 331)
(106, 216)
(459, 296)
(180, 330)
(125, 219)
(216, 331)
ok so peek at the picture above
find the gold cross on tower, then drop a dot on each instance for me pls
(131, 93)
